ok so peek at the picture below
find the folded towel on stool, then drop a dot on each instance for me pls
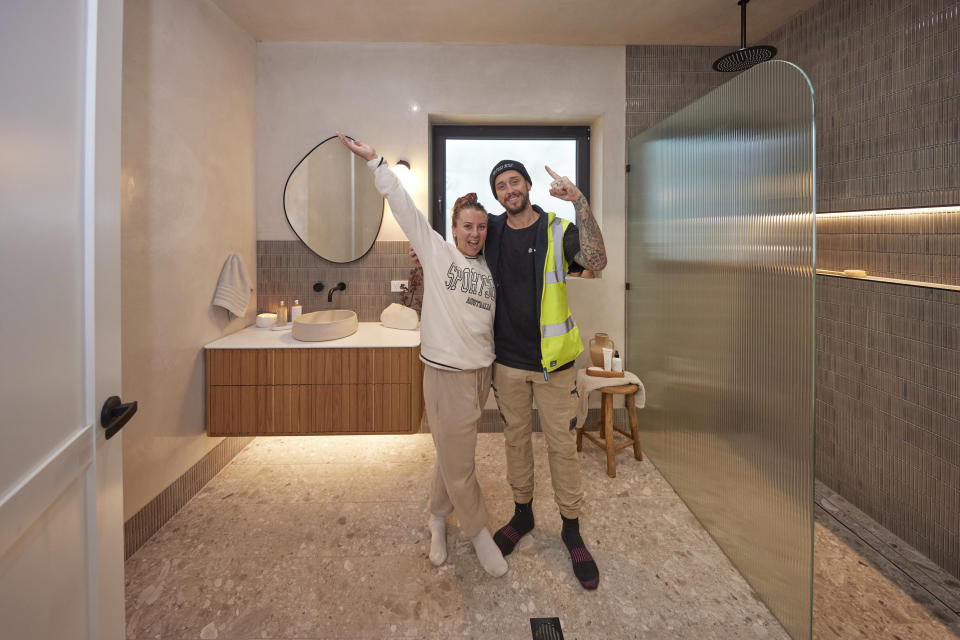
(587, 383)
(234, 286)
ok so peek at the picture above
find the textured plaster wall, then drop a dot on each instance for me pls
(189, 79)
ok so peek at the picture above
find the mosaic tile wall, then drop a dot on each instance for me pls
(888, 407)
(287, 270)
(886, 74)
(887, 81)
(663, 79)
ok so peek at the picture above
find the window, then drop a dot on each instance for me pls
(464, 155)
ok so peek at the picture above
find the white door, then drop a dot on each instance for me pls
(61, 518)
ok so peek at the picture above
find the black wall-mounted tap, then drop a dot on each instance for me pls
(340, 287)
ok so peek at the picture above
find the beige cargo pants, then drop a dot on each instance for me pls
(454, 401)
(556, 401)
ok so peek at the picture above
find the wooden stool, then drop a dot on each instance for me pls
(606, 422)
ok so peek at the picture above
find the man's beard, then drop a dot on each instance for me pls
(524, 203)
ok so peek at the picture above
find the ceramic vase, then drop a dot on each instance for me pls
(597, 343)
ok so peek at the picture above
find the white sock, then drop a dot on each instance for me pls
(489, 554)
(438, 540)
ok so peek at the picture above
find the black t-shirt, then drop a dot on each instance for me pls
(516, 325)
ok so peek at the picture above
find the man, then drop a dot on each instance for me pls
(529, 252)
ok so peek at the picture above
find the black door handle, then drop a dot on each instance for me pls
(115, 414)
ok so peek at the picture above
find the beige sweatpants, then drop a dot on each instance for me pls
(557, 406)
(454, 401)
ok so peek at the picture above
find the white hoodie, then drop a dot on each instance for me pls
(459, 299)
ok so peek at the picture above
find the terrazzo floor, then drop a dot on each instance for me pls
(326, 538)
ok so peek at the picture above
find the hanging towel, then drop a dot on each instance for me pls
(587, 383)
(234, 286)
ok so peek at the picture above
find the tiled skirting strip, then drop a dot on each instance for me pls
(902, 564)
(490, 421)
(144, 523)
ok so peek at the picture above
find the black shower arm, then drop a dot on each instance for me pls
(743, 23)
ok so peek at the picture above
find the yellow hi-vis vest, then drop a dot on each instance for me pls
(559, 336)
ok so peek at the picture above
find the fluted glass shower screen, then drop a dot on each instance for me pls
(720, 321)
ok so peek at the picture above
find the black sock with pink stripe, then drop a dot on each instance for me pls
(583, 565)
(520, 525)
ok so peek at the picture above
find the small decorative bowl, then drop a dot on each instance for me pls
(266, 319)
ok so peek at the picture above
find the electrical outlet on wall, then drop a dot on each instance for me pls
(395, 286)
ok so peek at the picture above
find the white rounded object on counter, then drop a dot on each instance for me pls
(266, 319)
(397, 316)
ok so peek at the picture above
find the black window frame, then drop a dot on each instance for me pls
(440, 133)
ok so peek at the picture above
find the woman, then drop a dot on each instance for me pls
(456, 344)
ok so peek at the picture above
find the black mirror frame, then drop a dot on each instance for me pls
(286, 214)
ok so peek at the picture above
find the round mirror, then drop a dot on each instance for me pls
(332, 203)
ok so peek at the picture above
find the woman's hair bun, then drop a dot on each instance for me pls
(462, 201)
(469, 200)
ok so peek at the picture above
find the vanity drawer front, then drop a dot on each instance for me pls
(310, 409)
(344, 366)
(240, 366)
(239, 410)
(313, 391)
(349, 408)
(311, 366)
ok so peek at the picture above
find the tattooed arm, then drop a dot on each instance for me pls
(592, 255)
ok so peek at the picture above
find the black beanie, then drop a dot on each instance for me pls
(508, 165)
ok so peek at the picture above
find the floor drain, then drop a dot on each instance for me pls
(546, 629)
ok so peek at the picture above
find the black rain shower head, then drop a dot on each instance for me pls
(744, 57)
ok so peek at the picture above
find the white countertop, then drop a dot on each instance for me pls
(369, 334)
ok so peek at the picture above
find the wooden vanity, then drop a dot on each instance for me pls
(263, 382)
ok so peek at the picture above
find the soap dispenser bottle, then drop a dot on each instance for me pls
(295, 310)
(617, 364)
(281, 316)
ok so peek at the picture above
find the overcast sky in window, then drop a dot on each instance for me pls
(469, 163)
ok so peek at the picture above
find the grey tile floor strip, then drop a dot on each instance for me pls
(905, 566)
(920, 569)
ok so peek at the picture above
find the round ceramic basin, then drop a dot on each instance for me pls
(325, 325)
